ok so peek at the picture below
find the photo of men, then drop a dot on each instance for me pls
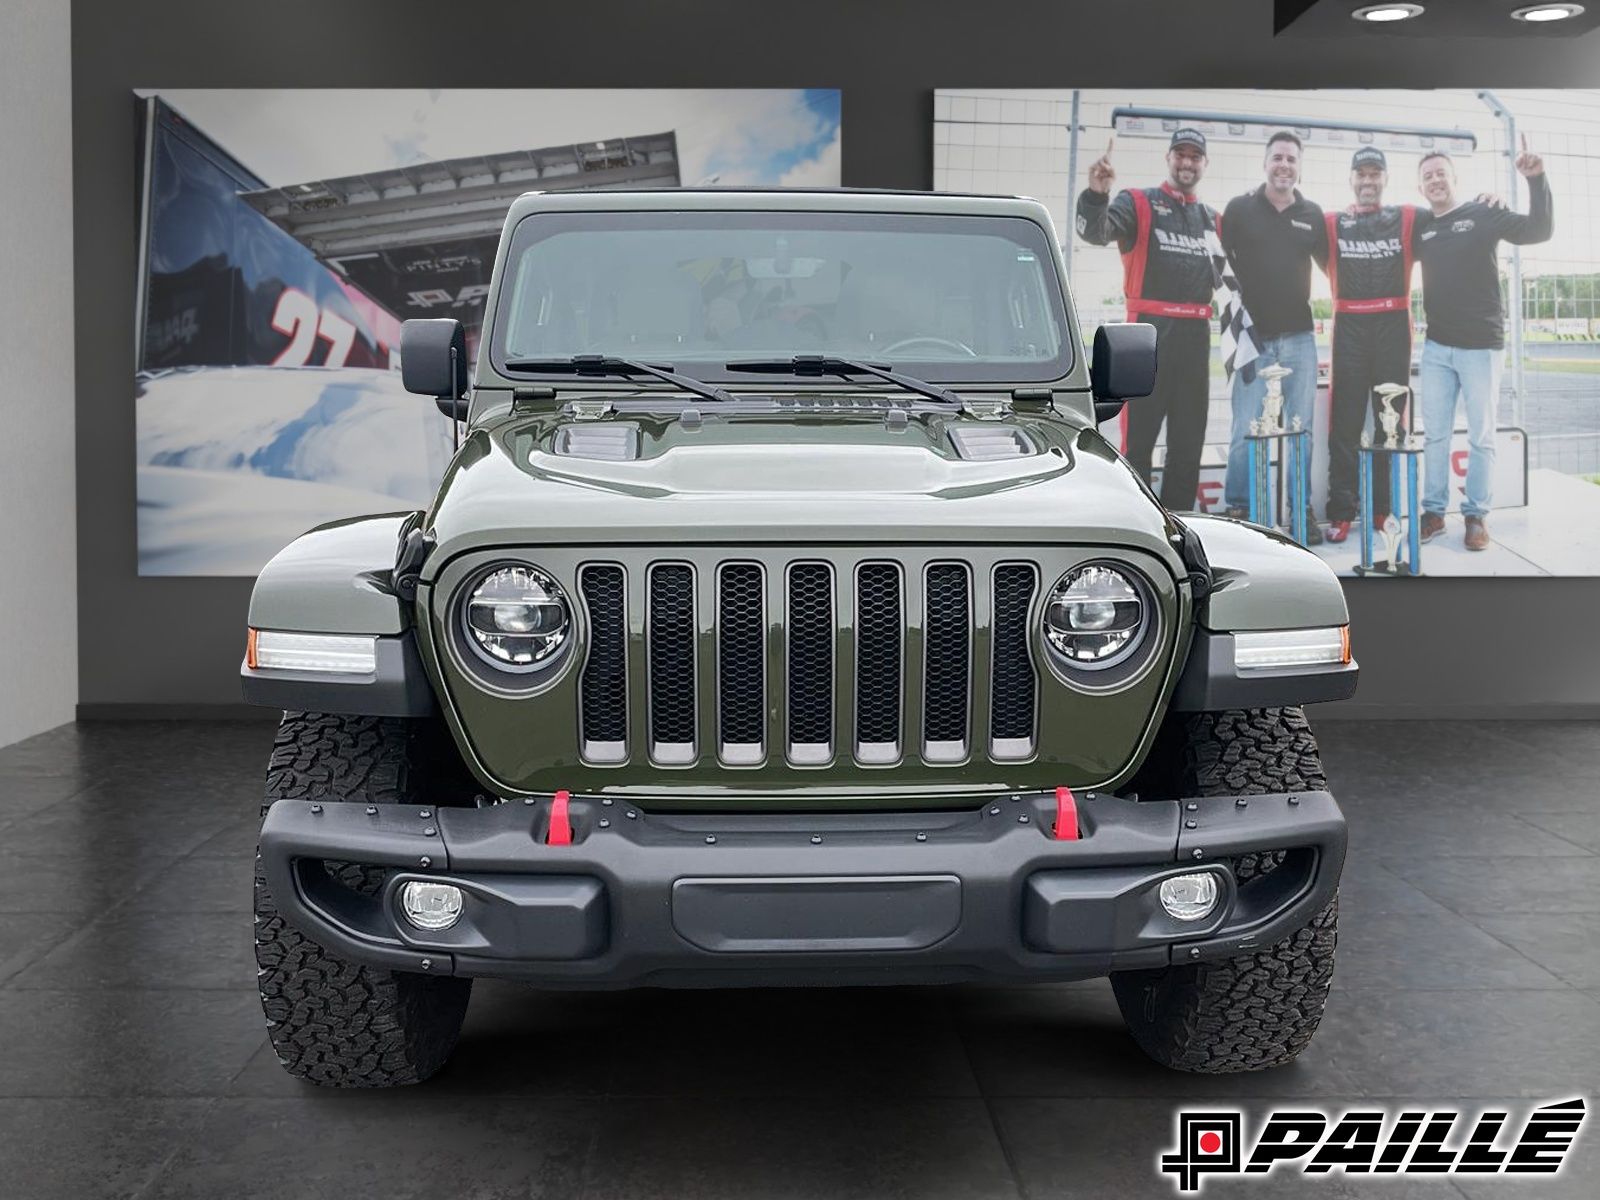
(1271, 235)
(1392, 297)
(1466, 329)
(1168, 280)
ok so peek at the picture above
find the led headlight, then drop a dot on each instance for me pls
(1095, 617)
(517, 618)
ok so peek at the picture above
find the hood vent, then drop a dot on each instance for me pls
(618, 442)
(987, 443)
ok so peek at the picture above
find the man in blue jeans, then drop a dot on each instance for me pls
(1271, 236)
(1459, 248)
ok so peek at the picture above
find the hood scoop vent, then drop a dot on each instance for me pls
(611, 442)
(989, 443)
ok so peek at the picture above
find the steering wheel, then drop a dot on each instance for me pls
(945, 343)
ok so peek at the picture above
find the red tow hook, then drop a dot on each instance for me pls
(560, 833)
(1066, 816)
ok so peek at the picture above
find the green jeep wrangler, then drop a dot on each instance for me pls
(784, 619)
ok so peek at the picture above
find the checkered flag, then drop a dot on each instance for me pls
(1239, 350)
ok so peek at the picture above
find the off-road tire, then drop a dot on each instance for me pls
(332, 1021)
(1256, 1010)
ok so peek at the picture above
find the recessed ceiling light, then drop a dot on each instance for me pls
(1388, 12)
(1548, 12)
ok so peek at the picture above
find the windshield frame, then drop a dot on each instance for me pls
(1030, 234)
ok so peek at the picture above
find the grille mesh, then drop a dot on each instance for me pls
(741, 632)
(810, 654)
(949, 634)
(605, 681)
(879, 625)
(1014, 682)
(672, 692)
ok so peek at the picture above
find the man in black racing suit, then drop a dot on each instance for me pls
(1168, 282)
(1369, 270)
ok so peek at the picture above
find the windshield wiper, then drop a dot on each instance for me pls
(819, 364)
(602, 366)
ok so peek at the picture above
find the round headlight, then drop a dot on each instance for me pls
(1095, 617)
(516, 618)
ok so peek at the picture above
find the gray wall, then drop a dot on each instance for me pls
(38, 560)
(1429, 647)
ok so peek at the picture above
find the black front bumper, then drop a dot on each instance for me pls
(642, 898)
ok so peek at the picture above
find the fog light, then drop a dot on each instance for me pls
(431, 905)
(1189, 897)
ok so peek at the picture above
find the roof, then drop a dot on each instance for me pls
(778, 199)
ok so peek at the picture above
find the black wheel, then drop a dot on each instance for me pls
(331, 1021)
(1257, 1010)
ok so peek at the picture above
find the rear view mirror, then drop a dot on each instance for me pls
(433, 362)
(1123, 367)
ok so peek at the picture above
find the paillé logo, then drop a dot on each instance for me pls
(1357, 1142)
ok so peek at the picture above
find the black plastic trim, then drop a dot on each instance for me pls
(399, 687)
(648, 898)
(1211, 680)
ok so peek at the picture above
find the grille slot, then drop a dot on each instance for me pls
(947, 667)
(810, 663)
(603, 687)
(672, 673)
(741, 663)
(880, 627)
(1013, 682)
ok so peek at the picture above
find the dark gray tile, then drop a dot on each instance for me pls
(89, 1149)
(1494, 1045)
(897, 1042)
(237, 839)
(74, 879)
(1368, 886)
(1493, 886)
(399, 1145)
(201, 885)
(1073, 1148)
(1579, 828)
(160, 945)
(728, 1149)
(109, 823)
(1436, 834)
(26, 938)
(25, 797)
(1073, 1042)
(1429, 950)
(125, 1043)
(1568, 944)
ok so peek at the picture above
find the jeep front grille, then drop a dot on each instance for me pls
(880, 630)
(809, 658)
(741, 662)
(603, 687)
(671, 638)
(813, 663)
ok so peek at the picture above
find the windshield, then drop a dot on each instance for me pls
(941, 297)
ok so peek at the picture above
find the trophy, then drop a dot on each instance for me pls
(1400, 452)
(1389, 406)
(1294, 457)
(1272, 402)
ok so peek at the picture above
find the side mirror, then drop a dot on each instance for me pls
(433, 362)
(1123, 367)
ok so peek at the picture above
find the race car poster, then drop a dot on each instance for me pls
(1377, 312)
(284, 235)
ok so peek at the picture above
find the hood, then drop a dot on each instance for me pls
(791, 471)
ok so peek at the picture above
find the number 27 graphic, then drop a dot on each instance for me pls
(298, 318)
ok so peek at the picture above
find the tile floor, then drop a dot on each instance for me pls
(133, 1061)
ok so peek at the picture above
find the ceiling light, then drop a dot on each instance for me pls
(1388, 12)
(1548, 12)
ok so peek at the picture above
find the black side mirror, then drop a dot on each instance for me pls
(433, 362)
(1123, 367)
